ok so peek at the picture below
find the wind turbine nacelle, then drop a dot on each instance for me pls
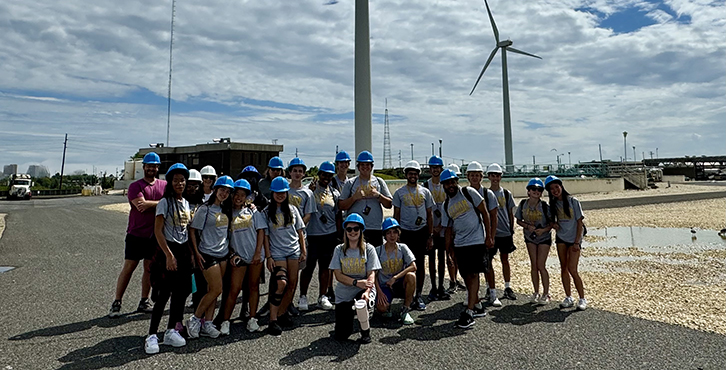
(505, 43)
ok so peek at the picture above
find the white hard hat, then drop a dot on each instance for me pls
(494, 168)
(194, 175)
(208, 171)
(412, 165)
(454, 168)
(474, 167)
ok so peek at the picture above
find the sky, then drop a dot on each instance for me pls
(256, 71)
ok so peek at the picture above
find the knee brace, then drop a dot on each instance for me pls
(278, 274)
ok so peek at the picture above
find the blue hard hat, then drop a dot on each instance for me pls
(279, 185)
(276, 162)
(225, 181)
(535, 182)
(550, 179)
(243, 184)
(177, 167)
(297, 162)
(251, 169)
(435, 160)
(354, 217)
(447, 175)
(365, 157)
(390, 223)
(151, 158)
(342, 156)
(327, 167)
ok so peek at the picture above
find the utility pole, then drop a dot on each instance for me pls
(336, 149)
(534, 160)
(432, 149)
(386, 140)
(440, 144)
(295, 152)
(656, 153)
(411, 151)
(399, 159)
(625, 146)
(171, 47)
(643, 156)
(651, 154)
(569, 159)
(63, 163)
(599, 147)
(634, 159)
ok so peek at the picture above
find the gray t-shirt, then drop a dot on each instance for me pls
(505, 205)
(175, 223)
(245, 224)
(568, 224)
(439, 195)
(491, 198)
(353, 265)
(535, 216)
(326, 202)
(413, 205)
(374, 216)
(284, 239)
(302, 198)
(214, 225)
(337, 183)
(393, 262)
(466, 224)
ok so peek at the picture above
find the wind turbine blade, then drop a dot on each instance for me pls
(494, 25)
(491, 56)
(521, 52)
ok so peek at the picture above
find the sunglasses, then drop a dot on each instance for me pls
(536, 188)
(208, 177)
(352, 229)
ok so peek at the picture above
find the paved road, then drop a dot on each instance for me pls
(69, 252)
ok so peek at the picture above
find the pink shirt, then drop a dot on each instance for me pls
(142, 224)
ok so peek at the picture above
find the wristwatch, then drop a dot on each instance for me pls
(355, 282)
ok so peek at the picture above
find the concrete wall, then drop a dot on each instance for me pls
(519, 187)
(674, 178)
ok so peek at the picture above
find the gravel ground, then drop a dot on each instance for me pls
(2, 224)
(633, 282)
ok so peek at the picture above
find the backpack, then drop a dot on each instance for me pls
(545, 208)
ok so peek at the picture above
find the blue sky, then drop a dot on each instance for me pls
(258, 71)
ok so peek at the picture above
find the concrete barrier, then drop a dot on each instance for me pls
(518, 187)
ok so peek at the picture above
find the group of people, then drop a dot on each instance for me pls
(214, 237)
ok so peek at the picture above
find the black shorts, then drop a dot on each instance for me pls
(560, 241)
(163, 278)
(471, 258)
(416, 242)
(138, 248)
(321, 248)
(503, 244)
(375, 237)
(210, 261)
(439, 244)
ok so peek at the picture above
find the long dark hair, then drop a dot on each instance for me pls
(565, 203)
(196, 198)
(284, 207)
(226, 205)
(172, 206)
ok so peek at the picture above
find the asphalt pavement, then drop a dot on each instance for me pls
(68, 253)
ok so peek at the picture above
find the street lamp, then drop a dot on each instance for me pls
(569, 159)
(625, 146)
(634, 158)
(411, 151)
(440, 143)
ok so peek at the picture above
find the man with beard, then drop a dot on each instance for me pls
(467, 227)
(143, 196)
(412, 208)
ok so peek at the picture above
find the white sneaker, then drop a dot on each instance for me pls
(544, 300)
(151, 345)
(173, 338)
(324, 303)
(194, 325)
(567, 303)
(224, 328)
(208, 330)
(582, 304)
(496, 302)
(252, 325)
(302, 303)
(535, 298)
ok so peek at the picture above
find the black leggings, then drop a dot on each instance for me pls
(174, 284)
(345, 317)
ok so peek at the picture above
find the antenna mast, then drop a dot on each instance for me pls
(171, 48)
(386, 141)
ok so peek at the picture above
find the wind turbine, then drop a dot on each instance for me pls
(505, 46)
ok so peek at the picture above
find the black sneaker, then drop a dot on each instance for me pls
(115, 309)
(452, 288)
(145, 306)
(442, 295)
(479, 310)
(432, 295)
(264, 311)
(285, 320)
(460, 285)
(487, 295)
(509, 294)
(465, 321)
(293, 311)
(365, 336)
(274, 329)
(418, 304)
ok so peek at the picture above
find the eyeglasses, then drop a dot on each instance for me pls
(536, 188)
(494, 174)
(208, 177)
(352, 229)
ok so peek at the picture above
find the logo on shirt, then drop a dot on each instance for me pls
(221, 220)
(280, 221)
(413, 200)
(438, 194)
(532, 215)
(295, 200)
(562, 216)
(243, 221)
(325, 199)
(353, 266)
(502, 202)
(459, 208)
(392, 266)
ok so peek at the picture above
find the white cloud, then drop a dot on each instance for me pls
(80, 67)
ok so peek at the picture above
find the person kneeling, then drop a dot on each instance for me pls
(354, 265)
(397, 277)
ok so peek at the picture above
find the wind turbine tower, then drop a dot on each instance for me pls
(386, 141)
(505, 46)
